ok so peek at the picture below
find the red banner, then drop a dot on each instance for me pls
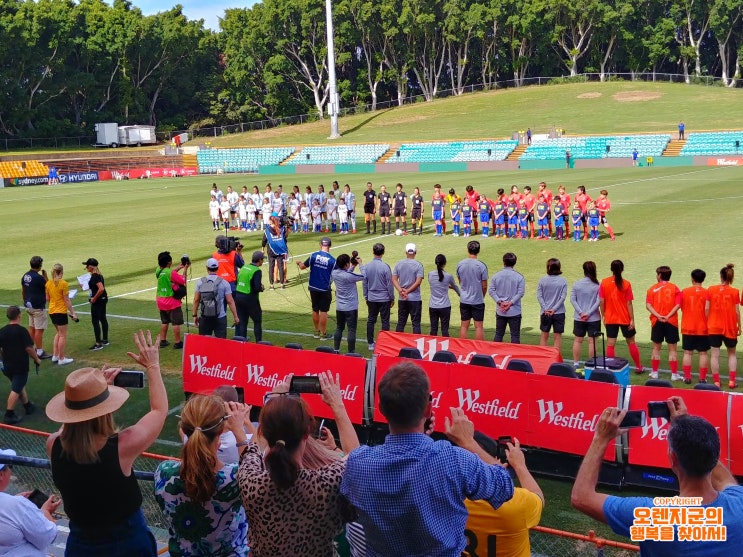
(209, 362)
(540, 357)
(159, 172)
(548, 412)
(725, 161)
(736, 433)
(648, 445)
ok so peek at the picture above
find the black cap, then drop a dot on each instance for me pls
(91, 262)
(258, 256)
(325, 241)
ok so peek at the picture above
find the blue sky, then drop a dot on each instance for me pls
(208, 10)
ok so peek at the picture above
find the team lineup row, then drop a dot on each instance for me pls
(520, 214)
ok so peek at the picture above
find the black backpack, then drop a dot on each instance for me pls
(208, 290)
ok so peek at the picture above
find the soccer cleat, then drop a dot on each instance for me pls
(653, 375)
(732, 385)
(105, 343)
(702, 381)
(65, 361)
(44, 355)
(164, 343)
(676, 377)
(316, 334)
(687, 381)
(640, 371)
(717, 384)
(55, 359)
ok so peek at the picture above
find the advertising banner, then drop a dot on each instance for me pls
(209, 362)
(74, 177)
(26, 181)
(736, 433)
(648, 445)
(725, 161)
(540, 357)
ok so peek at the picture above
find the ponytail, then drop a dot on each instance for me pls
(202, 422)
(589, 270)
(440, 262)
(57, 271)
(727, 273)
(281, 466)
(616, 268)
(284, 424)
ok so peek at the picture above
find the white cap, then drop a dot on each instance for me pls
(212, 264)
(410, 248)
(6, 452)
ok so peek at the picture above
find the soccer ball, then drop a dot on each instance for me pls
(398, 232)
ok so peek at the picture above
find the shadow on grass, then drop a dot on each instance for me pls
(363, 123)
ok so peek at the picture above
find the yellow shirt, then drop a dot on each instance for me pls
(451, 198)
(57, 294)
(503, 532)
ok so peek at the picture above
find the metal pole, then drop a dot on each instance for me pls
(333, 102)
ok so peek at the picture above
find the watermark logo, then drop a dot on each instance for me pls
(678, 519)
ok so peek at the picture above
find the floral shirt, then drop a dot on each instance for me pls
(217, 528)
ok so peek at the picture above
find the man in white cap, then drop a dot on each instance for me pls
(213, 294)
(406, 278)
(25, 529)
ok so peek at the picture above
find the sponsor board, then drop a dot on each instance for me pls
(74, 177)
(540, 357)
(152, 172)
(725, 161)
(26, 181)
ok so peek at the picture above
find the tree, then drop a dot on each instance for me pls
(724, 22)
(426, 45)
(573, 26)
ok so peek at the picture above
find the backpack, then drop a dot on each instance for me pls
(208, 290)
(179, 291)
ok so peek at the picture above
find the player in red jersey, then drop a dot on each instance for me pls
(615, 303)
(604, 206)
(663, 301)
(583, 199)
(472, 198)
(548, 197)
(565, 202)
(694, 326)
(530, 201)
(723, 323)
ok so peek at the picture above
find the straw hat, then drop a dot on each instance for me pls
(86, 396)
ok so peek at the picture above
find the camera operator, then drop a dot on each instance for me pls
(168, 304)
(230, 259)
(274, 242)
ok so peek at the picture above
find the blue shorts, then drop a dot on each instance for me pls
(500, 220)
(437, 215)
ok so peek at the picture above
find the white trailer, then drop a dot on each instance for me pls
(113, 135)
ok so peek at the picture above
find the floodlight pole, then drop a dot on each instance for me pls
(333, 101)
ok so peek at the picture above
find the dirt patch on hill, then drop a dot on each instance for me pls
(593, 95)
(636, 96)
(406, 120)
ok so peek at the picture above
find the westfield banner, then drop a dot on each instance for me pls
(209, 362)
(540, 357)
(553, 413)
(736, 433)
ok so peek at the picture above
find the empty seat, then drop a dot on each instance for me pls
(410, 352)
(561, 369)
(707, 387)
(265, 342)
(445, 356)
(354, 354)
(519, 365)
(293, 346)
(603, 376)
(240, 338)
(325, 349)
(483, 360)
(658, 383)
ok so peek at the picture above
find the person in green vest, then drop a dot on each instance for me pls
(170, 307)
(249, 286)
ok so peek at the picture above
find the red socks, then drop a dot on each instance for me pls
(634, 351)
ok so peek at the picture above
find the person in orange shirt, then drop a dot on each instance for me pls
(615, 303)
(663, 301)
(530, 201)
(604, 206)
(723, 323)
(564, 198)
(694, 326)
(583, 200)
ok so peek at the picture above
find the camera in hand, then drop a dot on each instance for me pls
(305, 384)
(503, 447)
(129, 379)
(38, 498)
(354, 258)
(185, 260)
(226, 244)
(659, 410)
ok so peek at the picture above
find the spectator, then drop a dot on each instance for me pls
(321, 265)
(170, 306)
(293, 509)
(439, 305)
(615, 302)
(552, 290)
(507, 287)
(510, 523)
(694, 326)
(92, 463)
(16, 346)
(407, 277)
(682, 129)
(230, 260)
(228, 451)
(694, 455)
(274, 242)
(58, 296)
(346, 299)
(528, 136)
(25, 529)
(663, 301)
(33, 289)
(210, 300)
(723, 323)
(409, 492)
(199, 495)
(473, 282)
(379, 292)
(98, 300)
(585, 299)
(247, 301)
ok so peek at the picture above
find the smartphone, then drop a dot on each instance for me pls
(130, 379)
(659, 410)
(319, 429)
(634, 418)
(38, 498)
(503, 447)
(305, 384)
(240, 395)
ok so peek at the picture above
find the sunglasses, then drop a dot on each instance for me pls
(269, 396)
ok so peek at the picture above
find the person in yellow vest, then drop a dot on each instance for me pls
(169, 306)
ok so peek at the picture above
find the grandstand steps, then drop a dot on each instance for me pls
(190, 160)
(517, 152)
(674, 148)
(390, 153)
(290, 157)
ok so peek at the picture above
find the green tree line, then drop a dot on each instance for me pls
(65, 65)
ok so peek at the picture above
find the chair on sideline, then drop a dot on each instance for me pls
(326, 349)
(603, 376)
(658, 383)
(706, 387)
(561, 369)
(445, 356)
(410, 353)
(519, 365)
(483, 360)
(293, 346)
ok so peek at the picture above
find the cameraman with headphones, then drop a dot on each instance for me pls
(229, 257)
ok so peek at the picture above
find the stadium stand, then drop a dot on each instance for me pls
(714, 143)
(597, 147)
(21, 169)
(459, 151)
(240, 160)
(339, 154)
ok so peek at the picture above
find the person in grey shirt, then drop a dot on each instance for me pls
(346, 299)
(439, 305)
(507, 287)
(406, 278)
(552, 290)
(473, 281)
(211, 325)
(378, 292)
(585, 299)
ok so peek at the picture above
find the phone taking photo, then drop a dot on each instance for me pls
(38, 498)
(659, 410)
(503, 442)
(130, 379)
(305, 384)
(634, 418)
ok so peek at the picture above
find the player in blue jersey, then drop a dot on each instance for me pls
(594, 219)
(466, 219)
(576, 216)
(559, 220)
(455, 210)
(512, 212)
(524, 220)
(437, 210)
(499, 216)
(543, 211)
(483, 213)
